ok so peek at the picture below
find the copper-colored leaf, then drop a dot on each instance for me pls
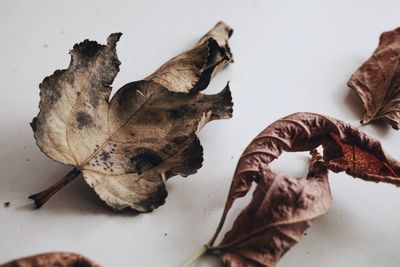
(280, 211)
(282, 207)
(127, 147)
(377, 81)
(59, 259)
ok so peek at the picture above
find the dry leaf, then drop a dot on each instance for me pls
(377, 81)
(59, 259)
(282, 208)
(345, 149)
(280, 211)
(127, 147)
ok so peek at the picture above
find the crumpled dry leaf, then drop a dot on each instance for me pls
(128, 146)
(280, 211)
(377, 81)
(281, 207)
(59, 259)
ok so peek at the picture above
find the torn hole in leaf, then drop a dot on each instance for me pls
(293, 164)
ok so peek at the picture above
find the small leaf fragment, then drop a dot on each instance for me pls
(377, 81)
(127, 147)
(60, 259)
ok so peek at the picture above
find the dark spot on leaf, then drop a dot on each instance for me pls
(104, 155)
(34, 124)
(167, 148)
(154, 200)
(180, 139)
(216, 54)
(183, 111)
(193, 159)
(87, 49)
(94, 98)
(169, 174)
(82, 262)
(143, 160)
(84, 120)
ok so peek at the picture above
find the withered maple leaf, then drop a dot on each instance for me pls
(59, 259)
(377, 81)
(282, 208)
(127, 147)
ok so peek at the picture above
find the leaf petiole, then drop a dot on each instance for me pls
(42, 197)
(195, 256)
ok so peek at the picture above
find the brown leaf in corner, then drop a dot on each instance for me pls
(282, 207)
(60, 259)
(127, 147)
(377, 81)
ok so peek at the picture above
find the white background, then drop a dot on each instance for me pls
(289, 56)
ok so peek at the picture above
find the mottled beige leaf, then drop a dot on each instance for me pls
(127, 147)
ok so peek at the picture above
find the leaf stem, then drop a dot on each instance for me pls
(195, 256)
(42, 197)
(218, 230)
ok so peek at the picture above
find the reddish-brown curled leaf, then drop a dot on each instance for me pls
(306, 131)
(59, 259)
(377, 81)
(280, 211)
(254, 239)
